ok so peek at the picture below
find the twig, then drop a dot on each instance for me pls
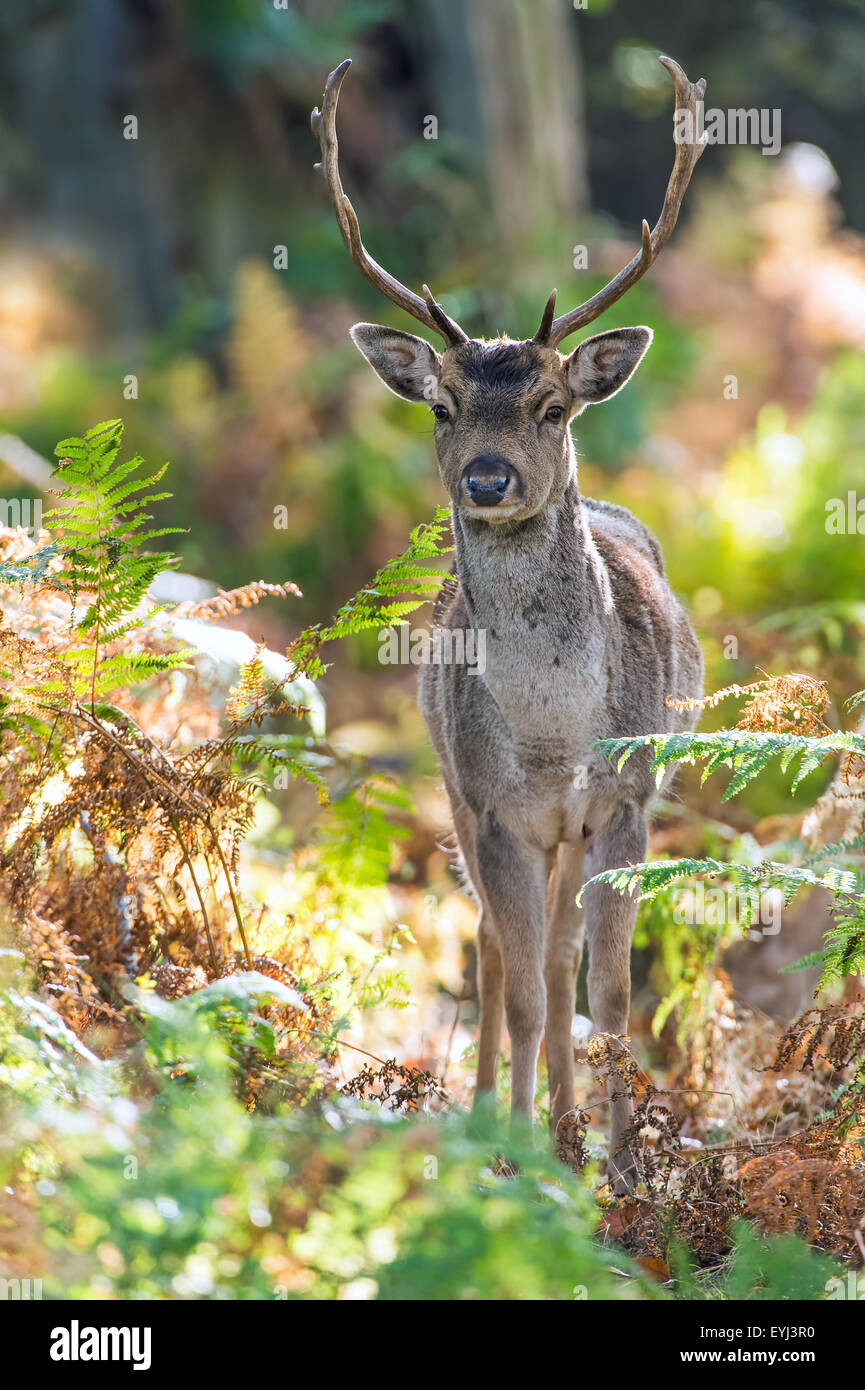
(188, 863)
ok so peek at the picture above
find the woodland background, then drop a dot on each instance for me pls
(155, 258)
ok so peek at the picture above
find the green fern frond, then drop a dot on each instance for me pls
(746, 753)
(104, 523)
(837, 849)
(356, 843)
(34, 570)
(843, 951)
(401, 576)
(650, 879)
(286, 754)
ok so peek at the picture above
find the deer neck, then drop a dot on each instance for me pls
(539, 592)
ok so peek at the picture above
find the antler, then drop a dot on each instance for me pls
(688, 151)
(426, 310)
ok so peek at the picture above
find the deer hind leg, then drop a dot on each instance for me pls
(610, 924)
(563, 949)
(491, 994)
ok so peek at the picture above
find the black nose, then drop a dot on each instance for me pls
(487, 479)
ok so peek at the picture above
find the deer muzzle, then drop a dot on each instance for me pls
(488, 479)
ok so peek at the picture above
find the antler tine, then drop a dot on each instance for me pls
(546, 324)
(450, 331)
(426, 310)
(688, 151)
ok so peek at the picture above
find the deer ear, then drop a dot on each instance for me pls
(406, 364)
(601, 365)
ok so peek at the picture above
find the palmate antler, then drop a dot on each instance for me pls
(688, 151)
(426, 310)
(552, 330)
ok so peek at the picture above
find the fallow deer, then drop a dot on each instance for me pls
(584, 639)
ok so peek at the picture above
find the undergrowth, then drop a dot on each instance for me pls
(792, 1176)
(173, 1123)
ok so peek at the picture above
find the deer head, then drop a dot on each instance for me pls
(503, 408)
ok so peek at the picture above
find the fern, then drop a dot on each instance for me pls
(843, 950)
(381, 603)
(356, 844)
(104, 526)
(745, 752)
(292, 755)
(650, 879)
(837, 849)
(37, 569)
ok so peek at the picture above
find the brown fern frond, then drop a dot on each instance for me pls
(776, 704)
(227, 602)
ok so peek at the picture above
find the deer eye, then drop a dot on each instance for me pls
(441, 412)
(555, 412)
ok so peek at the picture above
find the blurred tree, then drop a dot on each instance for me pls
(530, 96)
(806, 60)
(522, 69)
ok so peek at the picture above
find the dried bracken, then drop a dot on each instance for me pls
(809, 1180)
(571, 1139)
(397, 1087)
(792, 704)
(225, 603)
(835, 1033)
(817, 1198)
(121, 810)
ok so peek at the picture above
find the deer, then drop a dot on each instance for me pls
(584, 638)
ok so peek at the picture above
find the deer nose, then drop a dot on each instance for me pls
(487, 479)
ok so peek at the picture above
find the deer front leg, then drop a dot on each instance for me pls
(561, 966)
(513, 878)
(610, 921)
(490, 977)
